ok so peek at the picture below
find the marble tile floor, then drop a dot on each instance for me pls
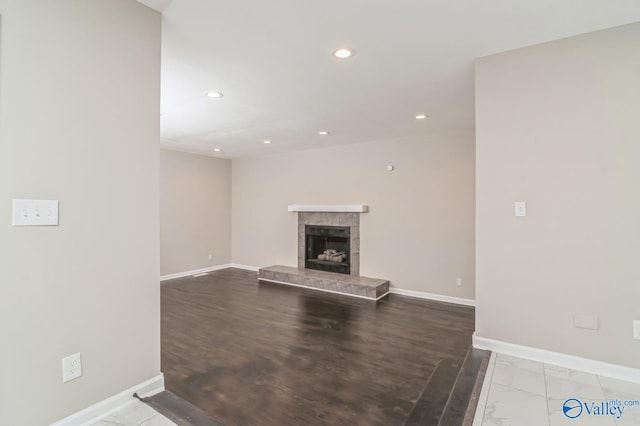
(135, 414)
(519, 392)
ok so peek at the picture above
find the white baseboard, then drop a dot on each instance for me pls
(431, 296)
(245, 267)
(114, 403)
(556, 358)
(194, 272)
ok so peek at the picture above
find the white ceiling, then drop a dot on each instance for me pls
(272, 60)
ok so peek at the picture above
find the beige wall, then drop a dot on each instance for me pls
(79, 111)
(419, 233)
(558, 127)
(195, 212)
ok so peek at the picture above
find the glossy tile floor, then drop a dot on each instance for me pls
(136, 414)
(520, 392)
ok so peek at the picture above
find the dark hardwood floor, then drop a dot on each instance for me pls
(250, 353)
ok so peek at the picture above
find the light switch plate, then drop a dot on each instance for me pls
(636, 329)
(520, 208)
(35, 213)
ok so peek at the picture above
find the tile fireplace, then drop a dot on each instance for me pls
(328, 254)
(322, 231)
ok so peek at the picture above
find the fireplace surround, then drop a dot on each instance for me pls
(348, 224)
(316, 225)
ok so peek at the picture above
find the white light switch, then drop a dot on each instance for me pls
(636, 329)
(521, 208)
(35, 213)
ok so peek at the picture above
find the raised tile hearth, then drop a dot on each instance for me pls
(367, 288)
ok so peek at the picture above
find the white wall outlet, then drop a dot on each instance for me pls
(590, 322)
(35, 213)
(636, 329)
(210, 256)
(520, 208)
(71, 367)
(458, 282)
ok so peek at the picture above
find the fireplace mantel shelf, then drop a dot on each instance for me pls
(352, 208)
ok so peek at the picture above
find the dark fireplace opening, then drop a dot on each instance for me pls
(327, 248)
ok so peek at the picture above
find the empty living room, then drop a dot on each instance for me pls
(332, 213)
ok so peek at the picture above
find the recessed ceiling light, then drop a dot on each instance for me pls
(323, 132)
(421, 116)
(267, 142)
(343, 52)
(217, 149)
(214, 94)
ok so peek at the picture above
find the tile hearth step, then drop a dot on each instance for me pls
(367, 288)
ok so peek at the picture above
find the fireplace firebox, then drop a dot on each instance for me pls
(327, 248)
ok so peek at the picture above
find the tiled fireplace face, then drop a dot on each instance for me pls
(352, 220)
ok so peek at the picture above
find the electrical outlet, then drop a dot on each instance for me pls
(71, 367)
(210, 256)
(520, 208)
(636, 329)
(459, 282)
